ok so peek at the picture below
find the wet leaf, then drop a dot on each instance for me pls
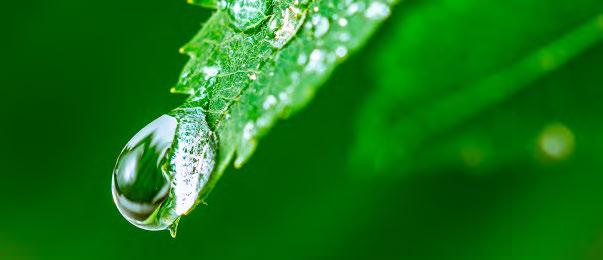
(247, 77)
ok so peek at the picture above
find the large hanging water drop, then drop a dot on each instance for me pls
(140, 181)
(161, 173)
(248, 14)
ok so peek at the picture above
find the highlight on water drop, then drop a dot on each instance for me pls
(247, 14)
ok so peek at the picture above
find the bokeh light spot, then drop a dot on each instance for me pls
(556, 142)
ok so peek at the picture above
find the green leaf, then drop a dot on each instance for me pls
(249, 76)
(451, 61)
(204, 3)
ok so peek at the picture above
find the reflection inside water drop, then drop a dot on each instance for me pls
(161, 173)
(247, 14)
(140, 181)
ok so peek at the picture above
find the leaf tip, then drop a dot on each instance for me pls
(173, 228)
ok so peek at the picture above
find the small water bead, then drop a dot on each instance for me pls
(316, 62)
(285, 25)
(377, 10)
(140, 181)
(321, 25)
(331, 57)
(283, 96)
(302, 59)
(264, 121)
(295, 77)
(308, 26)
(342, 22)
(345, 37)
(247, 14)
(269, 102)
(248, 131)
(341, 51)
(210, 71)
(354, 8)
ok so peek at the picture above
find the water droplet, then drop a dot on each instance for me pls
(354, 7)
(210, 71)
(321, 25)
(377, 10)
(140, 182)
(295, 77)
(269, 102)
(285, 25)
(192, 160)
(248, 14)
(264, 121)
(302, 59)
(162, 170)
(341, 51)
(342, 22)
(344, 37)
(248, 131)
(222, 4)
(283, 96)
(316, 63)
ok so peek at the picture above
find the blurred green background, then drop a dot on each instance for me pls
(520, 178)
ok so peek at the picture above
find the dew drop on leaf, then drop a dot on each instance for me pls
(341, 51)
(248, 14)
(210, 71)
(248, 131)
(377, 11)
(316, 64)
(160, 174)
(342, 22)
(354, 7)
(269, 102)
(140, 183)
(285, 24)
(321, 25)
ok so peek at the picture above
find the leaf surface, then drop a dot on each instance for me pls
(248, 79)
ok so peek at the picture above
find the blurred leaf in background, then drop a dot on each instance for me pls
(449, 62)
(515, 178)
